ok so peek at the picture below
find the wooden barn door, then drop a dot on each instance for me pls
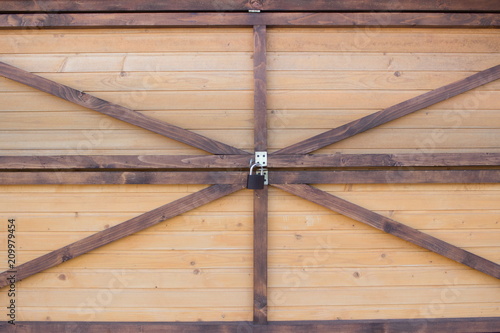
(125, 154)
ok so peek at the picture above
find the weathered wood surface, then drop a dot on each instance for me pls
(95, 162)
(394, 112)
(92, 162)
(275, 177)
(385, 177)
(119, 231)
(51, 20)
(126, 177)
(463, 325)
(245, 5)
(381, 160)
(394, 228)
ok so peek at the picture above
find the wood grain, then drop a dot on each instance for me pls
(260, 88)
(378, 160)
(146, 162)
(463, 325)
(245, 5)
(394, 228)
(119, 231)
(93, 162)
(384, 177)
(394, 112)
(116, 111)
(132, 177)
(260, 248)
(50, 20)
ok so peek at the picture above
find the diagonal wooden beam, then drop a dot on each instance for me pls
(260, 211)
(393, 227)
(116, 111)
(394, 112)
(119, 231)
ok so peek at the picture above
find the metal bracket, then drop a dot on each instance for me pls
(261, 158)
(264, 172)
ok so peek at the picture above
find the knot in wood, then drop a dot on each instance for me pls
(257, 4)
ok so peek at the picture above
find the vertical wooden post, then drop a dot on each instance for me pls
(260, 196)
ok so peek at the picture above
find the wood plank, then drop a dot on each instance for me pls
(260, 248)
(48, 6)
(242, 80)
(394, 228)
(260, 196)
(278, 259)
(381, 177)
(463, 325)
(93, 142)
(140, 162)
(391, 113)
(116, 111)
(52, 20)
(125, 41)
(71, 162)
(260, 88)
(376, 160)
(242, 278)
(242, 240)
(220, 314)
(380, 40)
(374, 312)
(134, 177)
(119, 231)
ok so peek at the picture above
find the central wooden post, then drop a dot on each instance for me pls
(260, 196)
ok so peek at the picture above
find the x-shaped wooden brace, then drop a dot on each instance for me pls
(228, 182)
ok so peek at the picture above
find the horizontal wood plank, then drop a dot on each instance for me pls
(245, 5)
(380, 177)
(51, 20)
(94, 178)
(65, 162)
(376, 160)
(463, 325)
(93, 162)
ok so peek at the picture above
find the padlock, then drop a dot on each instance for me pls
(255, 182)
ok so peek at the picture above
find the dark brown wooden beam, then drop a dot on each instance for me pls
(119, 231)
(116, 111)
(122, 177)
(394, 112)
(455, 325)
(260, 201)
(44, 20)
(385, 177)
(381, 160)
(392, 227)
(260, 267)
(128, 162)
(159, 162)
(245, 5)
(260, 88)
